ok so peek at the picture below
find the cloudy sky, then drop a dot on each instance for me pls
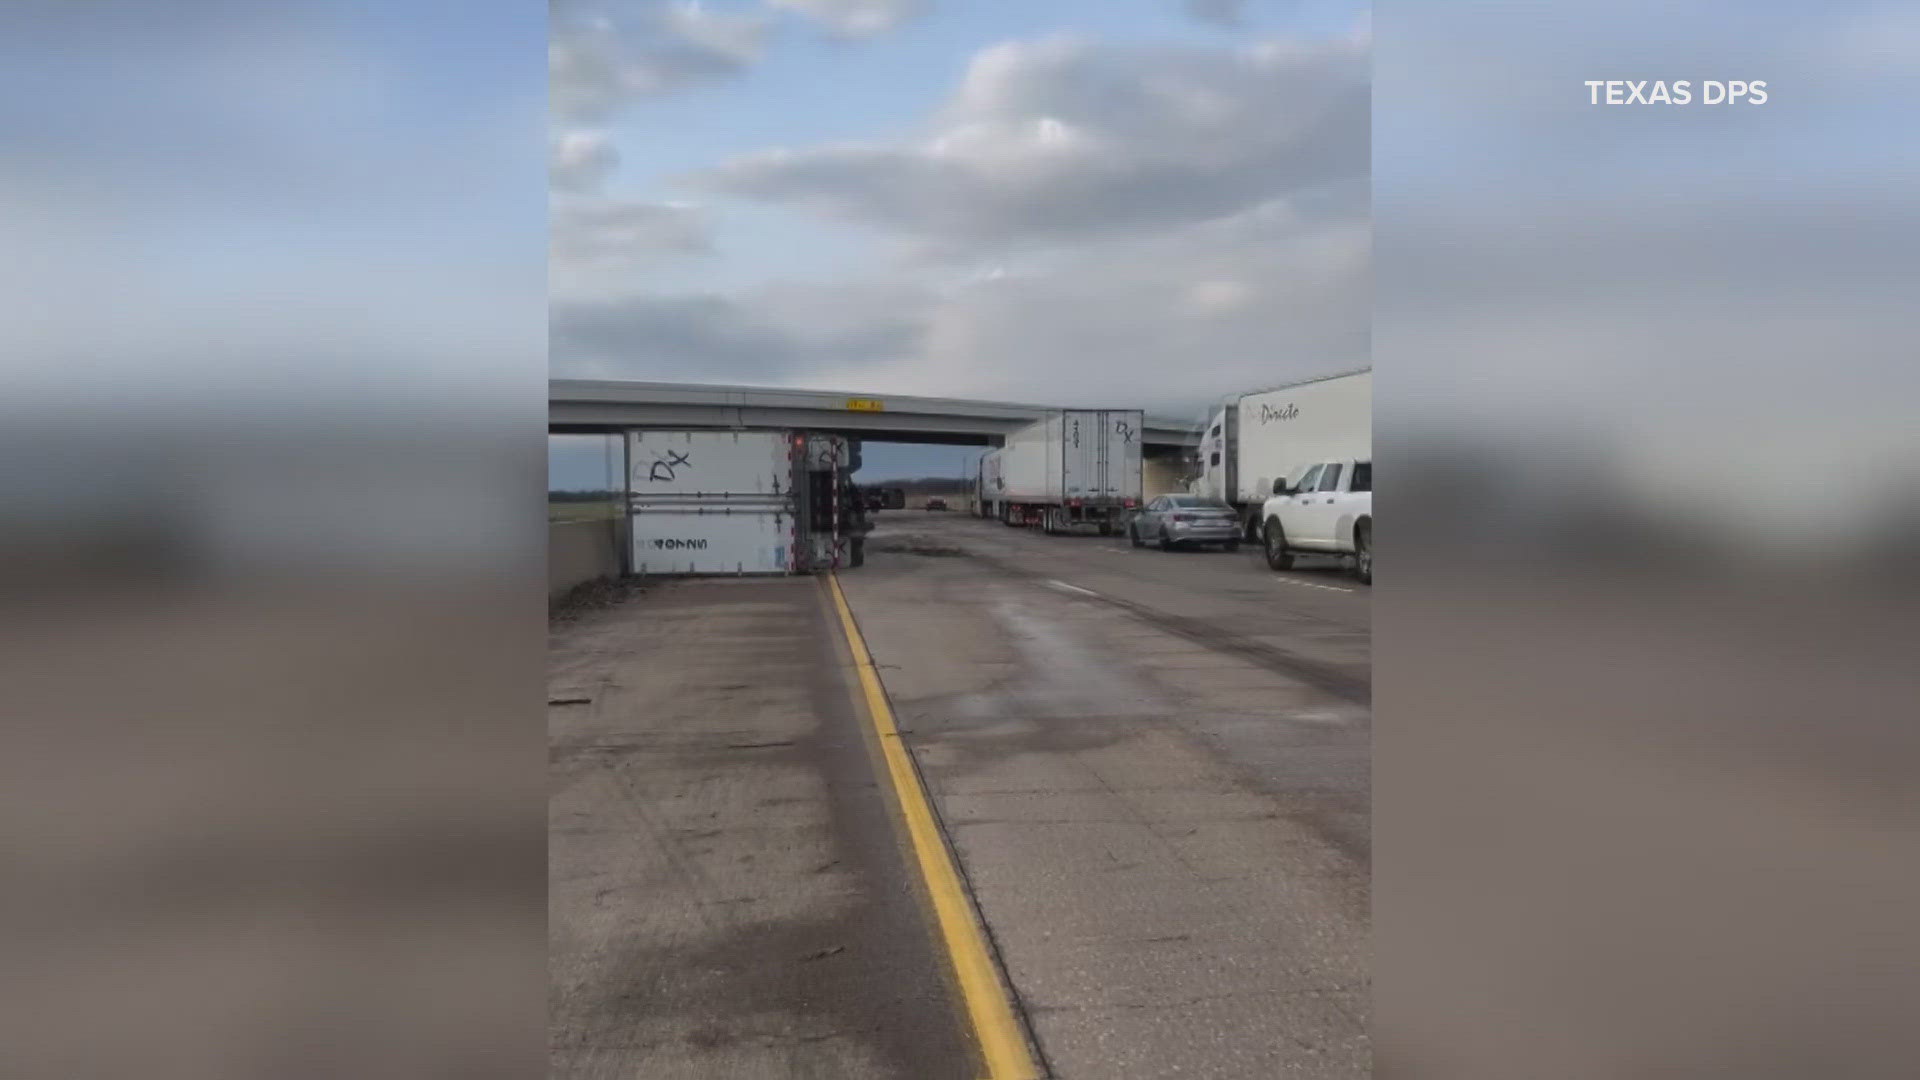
(1147, 203)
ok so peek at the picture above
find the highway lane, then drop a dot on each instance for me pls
(1317, 614)
(1153, 768)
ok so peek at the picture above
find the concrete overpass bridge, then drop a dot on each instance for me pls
(586, 406)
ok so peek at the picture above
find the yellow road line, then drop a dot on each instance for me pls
(1001, 1040)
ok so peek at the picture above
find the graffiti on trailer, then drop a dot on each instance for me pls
(663, 467)
(662, 544)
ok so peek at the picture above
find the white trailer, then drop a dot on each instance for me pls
(742, 502)
(1072, 468)
(1259, 437)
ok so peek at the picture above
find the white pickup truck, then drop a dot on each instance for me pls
(1328, 511)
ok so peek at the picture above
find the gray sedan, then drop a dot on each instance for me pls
(1177, 520)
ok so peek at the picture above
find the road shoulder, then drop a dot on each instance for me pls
(728, 894)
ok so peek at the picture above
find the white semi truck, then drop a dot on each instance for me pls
(743, 502)
(1259, 437)
(1075, 468)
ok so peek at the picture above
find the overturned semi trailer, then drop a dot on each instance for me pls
(743, 502)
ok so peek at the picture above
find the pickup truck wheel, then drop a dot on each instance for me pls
(1279, 556)
(1363, 553)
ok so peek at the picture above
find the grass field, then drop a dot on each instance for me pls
(582, 511)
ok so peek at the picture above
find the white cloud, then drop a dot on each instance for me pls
(595, 243)
(856, 18)
(1152, 227)
(580, 160)
(736, 36)
(1218, 297)
(1165, 322)
(602, 57)
(773, 336)
(1057, 138)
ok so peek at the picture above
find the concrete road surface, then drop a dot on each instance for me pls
(1154, 769)
(727, 894)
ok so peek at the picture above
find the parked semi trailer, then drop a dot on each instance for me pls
(1257, 438)
(1074, 468)
(744, 502)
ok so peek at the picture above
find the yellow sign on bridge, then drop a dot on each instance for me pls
(866, 404)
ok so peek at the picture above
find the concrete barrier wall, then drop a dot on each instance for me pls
(580, 551)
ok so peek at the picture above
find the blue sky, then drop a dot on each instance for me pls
(1164, 199)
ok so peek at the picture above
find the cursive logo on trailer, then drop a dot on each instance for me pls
(1269, 414)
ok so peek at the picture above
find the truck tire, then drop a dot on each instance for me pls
(1166, 542)
(1106, 528)
(1363, 552)
(1133, 534)
(1279, 555)
(1233, 545)
(858, 557)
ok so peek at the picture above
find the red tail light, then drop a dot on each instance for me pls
(1128, 504)
(1183, 517)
